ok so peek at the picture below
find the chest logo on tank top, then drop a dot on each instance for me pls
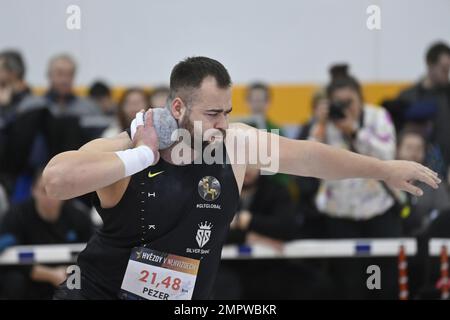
(203, 233)
(202, 237)
(151, 175)
(209, 188)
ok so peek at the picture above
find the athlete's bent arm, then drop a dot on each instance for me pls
(97, 165)
(92, 167)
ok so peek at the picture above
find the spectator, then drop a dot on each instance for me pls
(42, 127)
(100, 94)
(258, 99)
(13, 88)
(94, 125)
(158, 97)
(133, 100)
(412, 146)
(61, 97)
(419, 117)
(433, 91)
(41, 220)
(15, 95)
(357, 208)
(78, 113)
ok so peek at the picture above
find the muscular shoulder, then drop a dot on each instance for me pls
(235, 130)
(240, 125)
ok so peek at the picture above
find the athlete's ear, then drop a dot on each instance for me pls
(178, 108)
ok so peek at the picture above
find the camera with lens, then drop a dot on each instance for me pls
(337, 110)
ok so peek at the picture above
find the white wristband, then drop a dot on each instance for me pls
(137, 159)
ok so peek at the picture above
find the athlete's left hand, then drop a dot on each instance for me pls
(401, 175)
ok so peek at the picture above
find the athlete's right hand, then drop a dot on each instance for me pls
(146, 133)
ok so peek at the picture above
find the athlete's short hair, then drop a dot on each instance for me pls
(188, 75)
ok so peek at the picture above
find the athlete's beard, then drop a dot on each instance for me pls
(187, 124)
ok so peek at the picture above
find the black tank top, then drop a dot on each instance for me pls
(167, 208)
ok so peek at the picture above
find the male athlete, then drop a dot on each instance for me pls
(164, 224)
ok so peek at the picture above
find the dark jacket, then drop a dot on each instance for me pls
(22, 225)
(441, 98)
(273, 213)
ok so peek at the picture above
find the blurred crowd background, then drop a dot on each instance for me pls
(409, 123)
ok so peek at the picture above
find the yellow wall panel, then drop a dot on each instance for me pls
(291, 103)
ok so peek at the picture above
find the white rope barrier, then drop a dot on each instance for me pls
(52, 253)
(334, 248)
(329, 248)
(435, 246)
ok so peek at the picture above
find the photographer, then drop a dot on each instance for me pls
(357, 208)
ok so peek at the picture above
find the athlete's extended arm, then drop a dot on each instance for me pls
(313, 159)
(95, 165)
